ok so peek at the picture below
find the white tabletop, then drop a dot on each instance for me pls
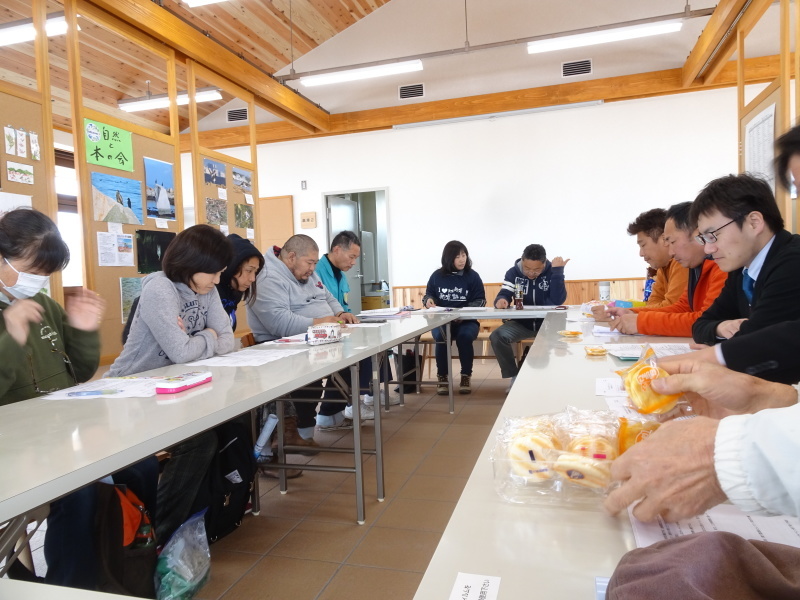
(542, 552)
(490, 312)
(50, 448)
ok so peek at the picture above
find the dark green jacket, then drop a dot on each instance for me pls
(37, 359)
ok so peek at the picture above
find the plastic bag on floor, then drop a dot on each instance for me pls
(184, 564)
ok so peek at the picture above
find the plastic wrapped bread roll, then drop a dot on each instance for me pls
(583, 471)
(528, 454)
(589, 446)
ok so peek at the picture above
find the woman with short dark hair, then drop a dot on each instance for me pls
(455, 285)
(180, 319)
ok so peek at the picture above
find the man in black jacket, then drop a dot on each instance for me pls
(741, 227)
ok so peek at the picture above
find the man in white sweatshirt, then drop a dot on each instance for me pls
(291, 298)
(742, 449)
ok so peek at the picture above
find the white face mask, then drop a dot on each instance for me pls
(27, 285)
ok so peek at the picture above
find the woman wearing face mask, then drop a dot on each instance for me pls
(44, 348)
(180, 319)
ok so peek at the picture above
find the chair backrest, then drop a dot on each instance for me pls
(248, 340)
(132, 312)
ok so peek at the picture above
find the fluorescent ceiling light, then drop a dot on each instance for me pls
(24, 31)
(363, 73)
(156, 101)
(605, 36)
(495, 115)
(196, 3)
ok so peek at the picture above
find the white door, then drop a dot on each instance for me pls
(343, 215)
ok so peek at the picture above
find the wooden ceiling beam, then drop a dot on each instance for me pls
(612, 89)
(166, 27)
(727, 47)
(719, 23)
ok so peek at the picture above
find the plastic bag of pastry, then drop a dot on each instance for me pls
(633, 431)
(562, 459)
(637, 379)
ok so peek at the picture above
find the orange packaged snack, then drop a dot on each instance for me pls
(633, 432)
(637, 380)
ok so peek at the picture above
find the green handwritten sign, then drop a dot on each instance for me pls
(108, 146)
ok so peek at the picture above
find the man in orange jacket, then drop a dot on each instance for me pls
(705, 283)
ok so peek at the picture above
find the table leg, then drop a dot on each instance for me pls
(283, 484)
(255, 496)
(449, 368)
(359, 464)
(376, 386)
(399, 369)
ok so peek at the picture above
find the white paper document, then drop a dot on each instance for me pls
(601, 585)
(469, 586)
(635, 350)
(350, 325)
(725, 517)
(621, 406)
(114, 249)
(603, 330)
(249, 357)
(609, 386)
(111, 387)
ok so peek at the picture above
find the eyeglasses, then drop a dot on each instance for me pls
(67, 362)
(711, 236)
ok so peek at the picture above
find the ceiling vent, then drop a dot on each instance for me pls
(577, 67)
(237, 114)
(416, 90)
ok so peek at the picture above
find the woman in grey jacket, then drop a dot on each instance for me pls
(179, 319)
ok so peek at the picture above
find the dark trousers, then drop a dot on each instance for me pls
(306, 411)
(69, 547)
(463, 333)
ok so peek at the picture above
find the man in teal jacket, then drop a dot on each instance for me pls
(345, 250)
(331, 269)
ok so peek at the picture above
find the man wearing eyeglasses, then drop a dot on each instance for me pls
(741, 227)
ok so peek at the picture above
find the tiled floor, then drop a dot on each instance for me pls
(306, 544)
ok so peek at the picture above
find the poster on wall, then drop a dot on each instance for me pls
(244, 216)
(216, 211)
(10, 138)
(19, 173)
(214, 172)
(159, 181)
(150, 248)
(116, 199)
(11, 201)
(243, 180)
(22, 143)
(130, 288)
(108, 146)
(114, 249)
(36, 153)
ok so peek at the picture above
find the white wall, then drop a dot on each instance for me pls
(570, 180)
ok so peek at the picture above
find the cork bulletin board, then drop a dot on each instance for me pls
(22, 160)
(133, 213)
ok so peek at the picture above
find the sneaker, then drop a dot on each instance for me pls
(464, 387)
(343, 425)
(442, 388)
(369, 400)
(367, 412)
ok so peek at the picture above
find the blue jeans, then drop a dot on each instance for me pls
(69, 540)
(463, 333)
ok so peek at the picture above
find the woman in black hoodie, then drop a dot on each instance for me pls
(238, 281)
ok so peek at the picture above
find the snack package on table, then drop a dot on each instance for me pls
(586, 307)
(637, 379)
(561, 459)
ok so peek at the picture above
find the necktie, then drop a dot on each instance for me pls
(748, 283)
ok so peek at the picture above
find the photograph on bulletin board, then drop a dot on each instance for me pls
(159, 182)
(130, 288)
(116, 199)
(244, 216)
(214, 172)
(150, 248)
(243, 180)
(216, 211)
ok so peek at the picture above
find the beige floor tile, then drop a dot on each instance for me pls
(227, 568)
(446, 466)
(392, 483)
(369, 583)
(476, 433)
(401, 549)
(426, 487)
(314, 481)
(430, 416)
(281, 578)
(416, 429)
(321, 540)
(342, 508)
(467, 447)
(290, 505)
(403, 462)
(256, 535)
(400, 444)
(420, 515)
(477, 415)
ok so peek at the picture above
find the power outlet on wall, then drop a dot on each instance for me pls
(303, 184)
